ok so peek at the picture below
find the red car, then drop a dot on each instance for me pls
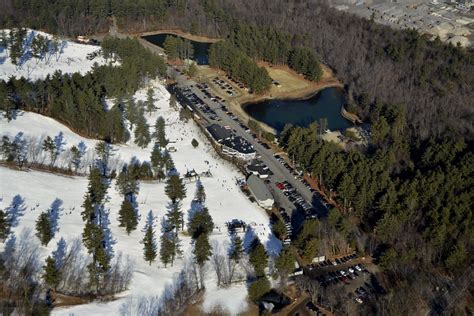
(280, 185)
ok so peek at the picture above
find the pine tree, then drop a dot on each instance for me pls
(170, 46)
(202, 249)
(37, 45)
(157, 162)
(168, 161)
(175, 216)
(259, 288)
(166, 244)
(76, 157)
(285, 263)
(149, 241)
(237, 249)
(51, 275)
(50, 148)
(150, 101)
(200, 223)
(43, 228)
(126, 183)
(96, 235)
(258, 257)
(104, 152)
(127, 216)
(160, 133)
(175, 188)
(4, 226)
(142, 133)
(200, 194)
(6, 149)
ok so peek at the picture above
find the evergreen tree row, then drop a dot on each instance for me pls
(239, 66)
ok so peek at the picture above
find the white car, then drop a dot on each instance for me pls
(351, 270)
(358, 268)
(359, 300)
(343, 273)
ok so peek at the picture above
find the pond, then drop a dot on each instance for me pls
(201, 49)
(325, 104)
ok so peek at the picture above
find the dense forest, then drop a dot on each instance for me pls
(412, 201)
(79, 100)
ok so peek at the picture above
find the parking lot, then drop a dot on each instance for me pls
(287, 185)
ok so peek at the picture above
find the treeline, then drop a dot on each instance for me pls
(84, 17)
(176, 47)
(79, 100)
(239, 66)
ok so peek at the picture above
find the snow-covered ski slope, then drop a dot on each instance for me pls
(71, 57)
(224, 200)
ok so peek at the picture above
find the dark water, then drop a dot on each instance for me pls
(326, 104)
(200, 48)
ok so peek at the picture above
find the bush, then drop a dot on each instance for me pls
(195, 143)
(259, 288)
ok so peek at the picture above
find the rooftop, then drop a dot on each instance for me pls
(239, 144)
(258, 166)
(258, 188)
(218, 132)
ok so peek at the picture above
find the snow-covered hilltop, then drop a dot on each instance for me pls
(37, 190)
(43, 54)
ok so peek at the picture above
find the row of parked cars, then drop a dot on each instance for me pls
(344, 275)
(226, 87)
(240, 84)
(295, 197)
(289, 230)
(329, 263)
(298, 175)
(195, 100)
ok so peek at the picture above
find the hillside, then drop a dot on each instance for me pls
(69, 58)
(39, 189)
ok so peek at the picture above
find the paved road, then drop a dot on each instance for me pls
(266, 155)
